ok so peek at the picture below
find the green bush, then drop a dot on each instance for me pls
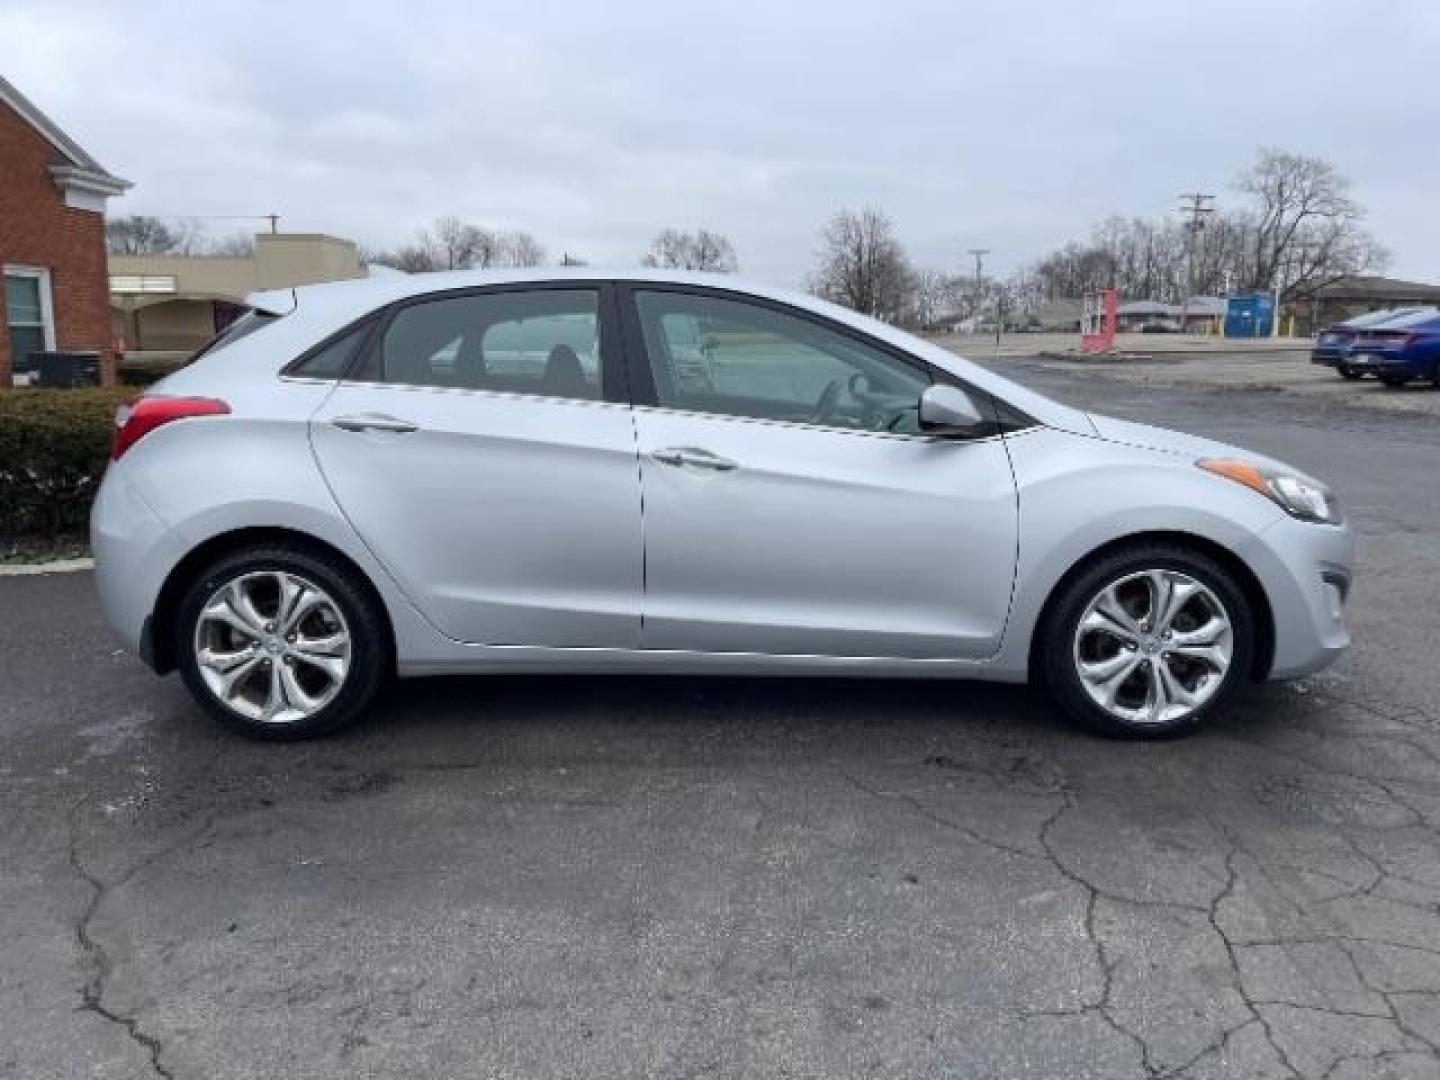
(54, 446)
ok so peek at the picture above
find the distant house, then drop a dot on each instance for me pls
(52, 240)
(1058, 316)
(1133, 314)
(176, 303)
(1197, 314)
(1351, 296)
(1202, 314)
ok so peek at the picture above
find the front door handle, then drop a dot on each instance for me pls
(374, 422)
(695, 458)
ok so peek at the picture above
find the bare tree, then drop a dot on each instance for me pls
(938, 294)
(519, 248)
(411, 258)
(1306, 227)
(139, 234)
(237, 245)
(452, 244)
(672, 249)
(862, 265)
(1302, 233)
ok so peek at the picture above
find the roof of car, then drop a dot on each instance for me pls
(384, 288)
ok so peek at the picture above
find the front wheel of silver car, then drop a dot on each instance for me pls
(1146, 640)
(281, 642)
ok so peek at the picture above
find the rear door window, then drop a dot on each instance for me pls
(544, 342)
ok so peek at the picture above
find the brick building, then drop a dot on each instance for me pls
(52, 239)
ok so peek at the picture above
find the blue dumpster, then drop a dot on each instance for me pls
(1249, 314)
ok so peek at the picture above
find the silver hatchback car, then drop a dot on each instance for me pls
(589, 471)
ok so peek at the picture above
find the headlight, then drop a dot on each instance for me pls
(1299, 496)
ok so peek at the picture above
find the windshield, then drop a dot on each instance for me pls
(1373, 318)
(1416, 317)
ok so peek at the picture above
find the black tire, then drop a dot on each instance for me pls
(1054, 656)
(1394, 381)
(1349, 373)
(370, 658)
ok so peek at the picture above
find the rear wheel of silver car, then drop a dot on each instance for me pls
(1349, 372)
(281, 642)
(1147, 640)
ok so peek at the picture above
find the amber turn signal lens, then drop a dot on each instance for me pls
(1241, 471)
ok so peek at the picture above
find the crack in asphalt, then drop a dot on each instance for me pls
(924, 811)
(1237, 980)
(1101, 1005)
(97, 957)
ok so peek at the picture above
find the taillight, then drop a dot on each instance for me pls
(136, 419)
(1399, 338)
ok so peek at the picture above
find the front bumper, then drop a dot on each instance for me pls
(1306, 571)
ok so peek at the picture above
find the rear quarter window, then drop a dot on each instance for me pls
(332, 359)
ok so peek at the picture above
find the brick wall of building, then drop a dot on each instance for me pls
(38, 229)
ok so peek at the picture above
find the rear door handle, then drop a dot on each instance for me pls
(695, 458)
(374, 422)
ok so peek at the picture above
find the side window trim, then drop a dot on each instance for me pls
(366, 367)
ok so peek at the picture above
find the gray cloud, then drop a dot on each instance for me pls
(1012, 125)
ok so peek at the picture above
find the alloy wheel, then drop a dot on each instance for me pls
(1153, 647)
(272, 646)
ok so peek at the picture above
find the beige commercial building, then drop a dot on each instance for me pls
(176, 303)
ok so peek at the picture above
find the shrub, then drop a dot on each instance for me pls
(54, 446)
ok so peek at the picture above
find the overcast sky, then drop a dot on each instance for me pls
(1012, 125)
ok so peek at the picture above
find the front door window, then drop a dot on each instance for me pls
(713, 355)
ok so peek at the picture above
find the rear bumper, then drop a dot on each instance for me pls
(134, 552)
(1381, 364)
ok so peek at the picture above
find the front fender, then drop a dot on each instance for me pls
(1078, 494)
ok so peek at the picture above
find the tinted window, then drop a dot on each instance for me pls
(245, 325)
(331, 361)
(1373, 318)
(541, 342)
(726, 356)
(1416, 319)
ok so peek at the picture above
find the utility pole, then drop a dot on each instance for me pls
(979, 254)
(1197, 205)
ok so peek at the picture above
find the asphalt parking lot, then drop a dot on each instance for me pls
(586, 877)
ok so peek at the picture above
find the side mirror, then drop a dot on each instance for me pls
(948, 410)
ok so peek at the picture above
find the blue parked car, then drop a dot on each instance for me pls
(1399, 350)
(1332, 346)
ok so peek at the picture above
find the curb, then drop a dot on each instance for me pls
(55, 566)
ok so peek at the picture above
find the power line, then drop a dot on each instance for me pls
(273, 219)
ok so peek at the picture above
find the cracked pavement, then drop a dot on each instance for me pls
(586, 877)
